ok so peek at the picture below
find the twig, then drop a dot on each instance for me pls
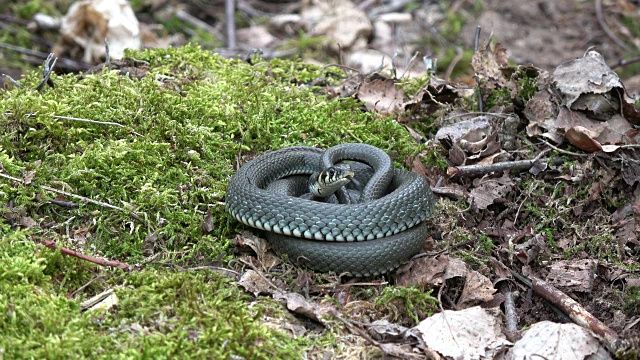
(68, 64)
(449, 192)
(479, 113)
(510, 315)
(603, 23)
(95, 122)
(87, 284)
(192, 20)
(454, 62)
(392, 7)
(65, 204)
(46, 72)
(475, 170)
(573, 309)
(102, 262)
(230, 20)
(625, 62)
(11, 80)
(82, 198)
(567, 152)
(476, 43)
(107, 59)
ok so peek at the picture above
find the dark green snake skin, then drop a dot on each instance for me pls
(368, 238)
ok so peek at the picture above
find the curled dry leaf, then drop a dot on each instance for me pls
(541, 113)
(300, 305)
(473, 333)
(88, 23)
(430, 272)
(489, 190)
(590, 135)
(477, 289)
(259, 246)
(488, 62)
(570, 341)
(207, 223)
(383, 330)
(587, 75)
(254, 283)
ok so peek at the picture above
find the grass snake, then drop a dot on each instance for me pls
(377, 234)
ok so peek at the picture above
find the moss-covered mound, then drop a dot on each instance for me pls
(159, 150)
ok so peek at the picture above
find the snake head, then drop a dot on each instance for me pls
(327, 182)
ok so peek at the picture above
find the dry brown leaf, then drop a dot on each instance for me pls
(541, 113)
(254, 283)
(425, 271)
(381, 95)
(27, 221)
(589, 74)
(28, 178)
(312, 310)
(583, 138)
(477, 289)
(570, 342)
(489, 61)
(259, 246)
(89, 22)
(489, 189)
(473, 333)
(573, 275)
(340, 22)
(207, 223)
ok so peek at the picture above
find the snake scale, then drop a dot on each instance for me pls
(370, 237)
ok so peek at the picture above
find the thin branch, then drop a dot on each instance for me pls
(192, 20)
(102, 262)
(65, 204)
(87, 284)
(567, 152)
(476, 43)
(11, 80)
(230, 20)
(82, 198)
(46, 72)
(625, 62)
(603, 23)
(66, 63)
(476, 170)
(95, 122)
(454, 62)
(573, 309)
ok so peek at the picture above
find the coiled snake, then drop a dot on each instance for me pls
(370, 237)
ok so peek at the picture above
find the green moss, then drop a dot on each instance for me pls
(415, 303)
(181, 130)
(159, 314)
(499, 97)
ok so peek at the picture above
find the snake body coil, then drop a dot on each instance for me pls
(361, 239)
